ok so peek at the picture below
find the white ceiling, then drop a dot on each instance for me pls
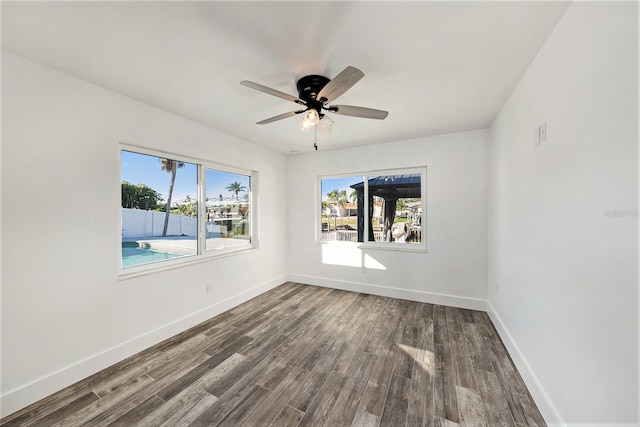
(437, 67)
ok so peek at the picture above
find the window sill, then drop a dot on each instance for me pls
(153, 268)
(398, 247)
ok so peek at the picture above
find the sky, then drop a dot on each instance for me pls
(143, 169)
(329, 184)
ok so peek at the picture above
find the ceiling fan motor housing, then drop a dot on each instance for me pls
(308, 89)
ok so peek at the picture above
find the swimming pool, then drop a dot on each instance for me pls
(133, 255)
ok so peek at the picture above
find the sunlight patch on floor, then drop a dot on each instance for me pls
(423, 358)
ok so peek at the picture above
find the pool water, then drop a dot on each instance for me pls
(134, 255)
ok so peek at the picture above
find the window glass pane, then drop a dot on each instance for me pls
(159, 209)
(339, 205)
(228, 219)
(397, 212)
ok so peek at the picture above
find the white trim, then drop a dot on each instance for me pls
(171, 264)
(376, 246)
(544, 403)
(21, 397)
(385, 291)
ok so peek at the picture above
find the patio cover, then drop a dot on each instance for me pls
(390, 188)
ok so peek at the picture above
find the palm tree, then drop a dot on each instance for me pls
(323, 209)
(342, 201)
(342, 198)
(189, 207)
(332, 196)
(339, 198)
(236, 187)
(169, 166)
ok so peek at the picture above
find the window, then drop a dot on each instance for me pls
(167, 220)
(383, 208)
(339, 215)
(227, 219)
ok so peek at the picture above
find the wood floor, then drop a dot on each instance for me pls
(306, 356)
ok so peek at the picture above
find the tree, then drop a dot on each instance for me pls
(169, 166)
(333, 195)
(342, 201)
(236, 187)
(139, 196)
(353, 196)
(147, 198)
(342, 198)
(189, 207)
(128, 195)
(339, 198)
(323, 210)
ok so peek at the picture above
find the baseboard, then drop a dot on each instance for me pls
(21, 397)
(546, 407)
(385, 291)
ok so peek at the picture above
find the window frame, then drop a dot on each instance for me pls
(390, 246)
(202, 254)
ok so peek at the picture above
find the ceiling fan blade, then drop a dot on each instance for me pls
(366, 113)
(340, 84)
(279, 117)
(273, 92)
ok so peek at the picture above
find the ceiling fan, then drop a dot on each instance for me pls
(314, 93)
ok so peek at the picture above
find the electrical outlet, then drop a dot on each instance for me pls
(209, 288)
(536, 137)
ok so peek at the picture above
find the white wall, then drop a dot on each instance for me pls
(563, 272)
(567, 300)
(65, 314)
(454, 270)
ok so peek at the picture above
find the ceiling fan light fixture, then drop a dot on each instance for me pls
(309, 119)
(305, 125)
(313, 116)
(324, 126)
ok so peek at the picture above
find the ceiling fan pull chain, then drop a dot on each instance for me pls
(315, 137)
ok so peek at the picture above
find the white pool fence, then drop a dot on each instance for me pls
(139, 223)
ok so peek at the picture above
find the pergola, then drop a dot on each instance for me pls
(390, 188)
